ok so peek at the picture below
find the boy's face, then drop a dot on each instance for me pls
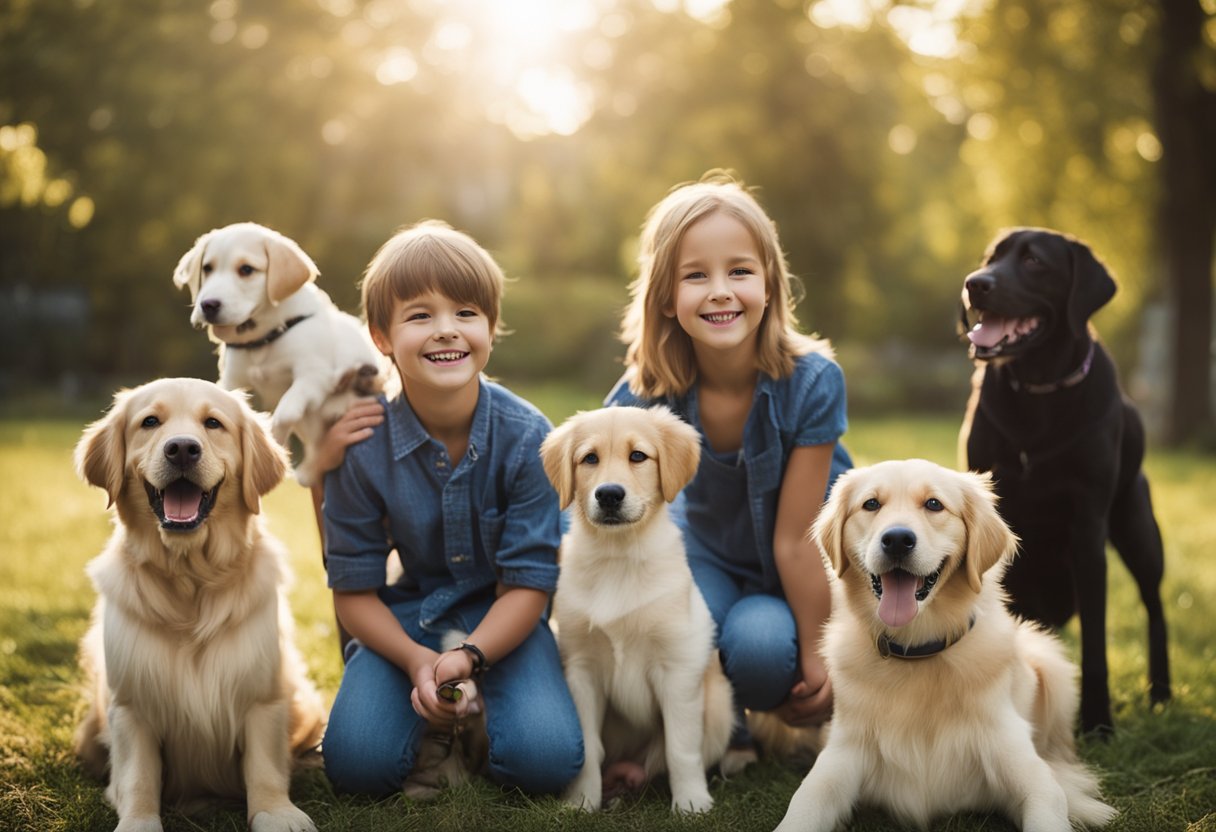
(437, 344)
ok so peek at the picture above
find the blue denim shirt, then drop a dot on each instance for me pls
(805, 408)
(459, 526)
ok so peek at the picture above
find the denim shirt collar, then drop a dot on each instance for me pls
(407, 433)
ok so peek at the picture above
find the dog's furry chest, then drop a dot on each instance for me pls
(266, 371)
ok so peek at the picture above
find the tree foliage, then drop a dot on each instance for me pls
(131, 128)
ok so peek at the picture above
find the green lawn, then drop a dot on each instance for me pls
(1160, 769)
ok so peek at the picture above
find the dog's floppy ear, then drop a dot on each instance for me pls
(189, 271)
(828, 529)
(679, 452)
(556, 455)
(101, 454)
(1092, 287)
(288, 267)
(263, 460)
(988, 538)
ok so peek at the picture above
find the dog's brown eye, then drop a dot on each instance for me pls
(150, 422)
(591, 459)
(871, 504)
(934, 504)
(1031, 260)
(208, 268)
(211, 423)
(245, 270)
(638, 456)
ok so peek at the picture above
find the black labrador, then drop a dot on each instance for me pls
(1064, 445)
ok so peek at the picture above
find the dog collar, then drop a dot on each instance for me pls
(888, 648)
(1071, 380)
(269, 337)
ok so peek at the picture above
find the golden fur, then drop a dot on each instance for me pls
(636, 638)
(987, 723)
(194, 678)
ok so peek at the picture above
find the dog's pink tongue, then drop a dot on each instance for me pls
(898, 603)
(182, 500)
(990, 331)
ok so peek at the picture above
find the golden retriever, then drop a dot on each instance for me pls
(944, 702)
(197, 688)
(636, 638)
(279, 334)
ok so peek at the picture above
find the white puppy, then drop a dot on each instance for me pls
(636, 638)
(944, 702)
(280, 336)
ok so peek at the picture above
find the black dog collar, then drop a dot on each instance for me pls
(888, 648)
(1071, 380)
(269, 337)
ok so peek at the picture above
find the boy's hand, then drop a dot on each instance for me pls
(452, 666)
(355, 425)
(810, 699)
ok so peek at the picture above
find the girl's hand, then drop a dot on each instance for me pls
(810, 699)
(353, 426)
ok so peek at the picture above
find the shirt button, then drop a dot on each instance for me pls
(458, 558)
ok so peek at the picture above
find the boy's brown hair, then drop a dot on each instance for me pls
(431, 256)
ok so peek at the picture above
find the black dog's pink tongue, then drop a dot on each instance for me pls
(182, 500)
(898, 603)
(990, 331)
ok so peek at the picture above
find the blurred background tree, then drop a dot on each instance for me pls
(890, 141)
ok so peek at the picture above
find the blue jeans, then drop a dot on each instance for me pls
(757, 639)
(535, 740)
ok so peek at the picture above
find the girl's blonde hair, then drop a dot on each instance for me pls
(431, 257)
(659, 357)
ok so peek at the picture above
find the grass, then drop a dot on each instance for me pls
(1159, 769)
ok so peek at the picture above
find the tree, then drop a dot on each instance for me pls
(1186, 124)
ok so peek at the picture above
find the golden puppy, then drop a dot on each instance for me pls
(636, 638)
(280, 335)
(944, 702)
(197, 688)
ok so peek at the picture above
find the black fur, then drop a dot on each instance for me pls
(1065, 446)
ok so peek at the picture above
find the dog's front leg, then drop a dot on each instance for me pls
(682, 701)
(1089, 578)
(587, 790)
(828, 793)
(306, 393)
(266, 769)
(135, 771)
(1037, 801)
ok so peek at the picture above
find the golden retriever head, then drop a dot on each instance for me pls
(238, 272)
(617, 464)
(176, 451)
(907, 532)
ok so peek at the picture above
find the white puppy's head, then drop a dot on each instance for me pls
(616, 464)
(237, 272)
(902, 533)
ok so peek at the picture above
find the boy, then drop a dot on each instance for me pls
(453, 480)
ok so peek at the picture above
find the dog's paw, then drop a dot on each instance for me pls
(586, 792)
(283, 819)
(141, 824)
(691, 801)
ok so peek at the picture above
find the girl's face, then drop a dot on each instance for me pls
(438, 345)
(721, 287)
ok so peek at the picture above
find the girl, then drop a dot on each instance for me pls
(711, 333)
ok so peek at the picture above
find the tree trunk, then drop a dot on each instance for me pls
(1186, 125)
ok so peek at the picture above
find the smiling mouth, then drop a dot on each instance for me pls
(448, 357)
(181, 506)
(994, 334)
(899, 593)
(720, 317)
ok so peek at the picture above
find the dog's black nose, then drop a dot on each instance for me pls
(211, 308)
(610, 495)
(183, 451)
(898, 541)
(980, 283)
